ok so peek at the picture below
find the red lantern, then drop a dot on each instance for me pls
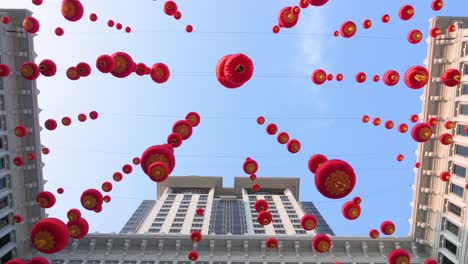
(391, 78)
(128, 29)
(174, 139)
(406, 12)
(376, 121)
(83, 68)
(430, 261)
(304, 3)
(160, 73)
(140, 69)
(253, 177)
(433, 121)
(417, 165)
(339, 77)
(66, 121)
(200, 211)
(72, 74)
(4, 70)
(158, 171)
(127, 168)
(376, 78)
(437, 5)
(105, 63)
(31, 25)
(193, 118)
(123, 65)
(329, 77)
(29, 71)
(385, 18)
(294, 146)
(451, 28)
(136, 161)
(421, 132)
(387, 227)
(18, 219)
(93, 17)
(157, 153)
(178, 15)
(18, 161)
(255, 187)
(21, 131)
(351, 210)
(357, 200)
(374, 234)
(315, 161)
(5, 20)
(261, 205)
(196, 236)
(45, 199)
(389, 124)
(45, 151)
(59, 190)
(400, 157)
(250, 166)
(365, 118)
(91, 199)
(414, 36)
(81, 117)
(449, 124)
(317, 2)
(31, 156)
(38, 260)
(451, 77)
(361, 77)
(367, 24)
(93, 115)
(117, 176)
(193, 255)
(264, 218)
(189, 28)
(335, 179)
(72, 10)
(283, 138)
(98, 208)
(78, 228)
(170, 8)
(318, 76)
(321, 243)
(336, 33)
(107, 186)
(466, 186)
(446, 139)
(233, 70)
(59, 31)
(275, 29)
(47, 68)
(260, 120)
(287, 18)
(49, 235)
(271, 242)
(445, 176)
(434, 32)
(106, 198)
(118, 26)
(399, 256)
(309, 222)
(184, 128)
(348, 29)
(414, 118)
(271, 129)
(110, 23)
(50, 124)
(16, 261)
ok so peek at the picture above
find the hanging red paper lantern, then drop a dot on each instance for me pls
(261, 120)
(59, 190)
(451, 77)
(98, 208)
(294, 146)
(140, 69)
(5, 20)
(430, 261)
(160, 73)
(374, 234)
(196, 236)
(437, 5)
(59, 31)
(49, 235)
(117, 176)
(157, 153)
(136, 161)
(255, 187)
(253, 177)
(367, 24)
(283, 138)
(387, 227)
(82, 117)
(361, 77)
(335, 179)
(72, 10)
(21, 131)
(421, 132)
(78, 228)
(287, 18)
(105, 63)
(189, 28)
(123, 65)
(351, 210)
(110, 23)
(389, 124)
(73, 214)
(107, 186)
(400, 157)
(414, 118)
(434, 32)
(93, 17)
(451, 28)
(385, 18)
(106, 198)
(271, 129)
(17, 219)
(50, 124)
(271, 242)
(449, 124)
(91, 199)
(365, 118)
(329, 77)
(45, 151)
(315, 161)
(357, 200)
(184, 128)
(446, 139)
(304, 3)
(339, 77)
(45, 199)
(4, 70)
(318, 76)
(18, 161)
(83, 68)
(193, 118)
(376, 78)
(200, 211)
(348, 29)
(193, 255)
(93, 115)
(336, 33)
(466, 186)
(391, 78)
(158, 171)
(66, 121)
(236, 69)
(445, 176)
(261, 205)
(406, 12)
(128, 29)
(321, 243)
(30, 156)
(38, 260)
(250, 166)
(170, 8)
(29, 71)
(309, 222)
(417, 165)
(264, 218)
(127, 168)
(174, 139)
(178, 15)
(414, 36)
(275, 29)
(399, 256)
(433, 121)
(403, 128)
(72, 74)
(376, 121)
(31, 25)
(118, 26)
(16, 261)
(318, 2)
(47, 68)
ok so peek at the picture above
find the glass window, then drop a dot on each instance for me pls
(459, 170)
(178, 220)
(157, 225)
(278, 226)
(252, 197)
(301, 232)
(174, 230)
(3, 183)
(461, 130)
(280, 232)
(3, 163)
(450, 246)
(197, 225)
(5, 240)
(177, 225)
(452, 228)
(161, 215)
(171, 197)
(3, 202)
(446, 260)
(457, 190)
(284, 198)
(164, 210)
(259, 231)
(4, 221)
(461, 150)
(187, 197)
(463, 109)
(154, 230)
(454, 209)
(465, 69)
(465, 89)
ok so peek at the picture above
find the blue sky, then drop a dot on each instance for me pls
(136, 113)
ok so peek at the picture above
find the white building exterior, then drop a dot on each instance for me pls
(18, 106)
